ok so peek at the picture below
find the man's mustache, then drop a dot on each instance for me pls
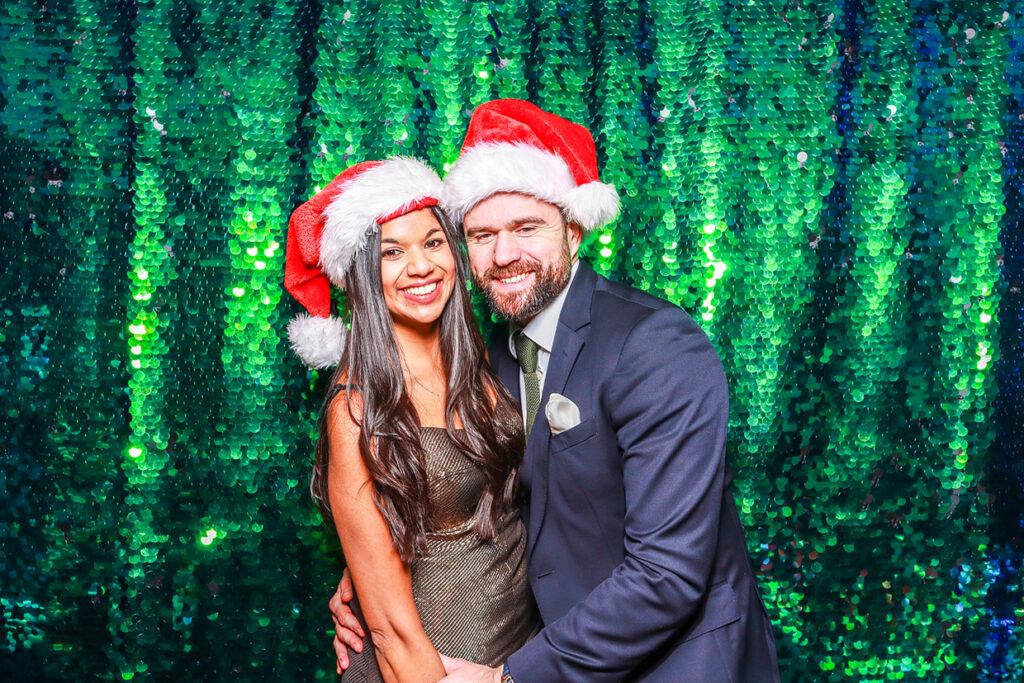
(513, 270)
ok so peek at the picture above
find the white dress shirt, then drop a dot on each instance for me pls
(541, 329)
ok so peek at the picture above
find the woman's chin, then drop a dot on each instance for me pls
(421, 319)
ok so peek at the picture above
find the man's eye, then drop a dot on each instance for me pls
(526, 229)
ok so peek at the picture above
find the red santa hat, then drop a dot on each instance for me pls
(326, 233)
(515, 146)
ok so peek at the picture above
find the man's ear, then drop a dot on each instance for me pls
(574, 234)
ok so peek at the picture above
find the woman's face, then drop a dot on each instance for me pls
(417, 268)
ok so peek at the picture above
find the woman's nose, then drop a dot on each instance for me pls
(419, 263)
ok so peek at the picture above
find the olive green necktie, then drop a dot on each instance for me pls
(526, 354)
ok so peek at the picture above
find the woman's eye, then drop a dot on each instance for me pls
(390, 253)
(435, 243)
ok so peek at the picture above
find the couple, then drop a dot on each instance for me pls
(629, 543)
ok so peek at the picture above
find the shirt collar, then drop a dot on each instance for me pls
(542, 327)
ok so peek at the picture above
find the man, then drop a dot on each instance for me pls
(636, 553)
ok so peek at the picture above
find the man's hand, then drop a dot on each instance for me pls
(348, 633)
(461, 671)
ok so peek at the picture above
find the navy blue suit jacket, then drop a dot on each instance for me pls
(636, 554)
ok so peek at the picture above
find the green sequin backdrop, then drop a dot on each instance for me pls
(830, 187)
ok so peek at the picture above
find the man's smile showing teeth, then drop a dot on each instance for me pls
(512, 280)
(421, 290)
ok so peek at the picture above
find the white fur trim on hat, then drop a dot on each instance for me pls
(373, 194)
(317, 341)
(591, 205)
(505, 167)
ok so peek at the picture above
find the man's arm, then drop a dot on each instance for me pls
(668, 403)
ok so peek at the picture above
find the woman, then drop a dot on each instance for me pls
(420, 445)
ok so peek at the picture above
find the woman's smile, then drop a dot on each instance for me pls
(423, 293)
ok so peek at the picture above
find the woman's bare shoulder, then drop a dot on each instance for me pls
(346, 404)
(344, 414)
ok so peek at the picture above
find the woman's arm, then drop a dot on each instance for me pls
(382, 581)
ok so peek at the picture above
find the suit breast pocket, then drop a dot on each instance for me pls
(572, 437)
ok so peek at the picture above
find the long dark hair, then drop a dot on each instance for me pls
(389, 440)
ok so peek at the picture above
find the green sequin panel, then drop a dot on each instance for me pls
(831, 188)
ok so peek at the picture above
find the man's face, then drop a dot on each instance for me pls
(521, 251)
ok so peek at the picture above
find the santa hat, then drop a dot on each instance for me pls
(326, 233)
(515, 146)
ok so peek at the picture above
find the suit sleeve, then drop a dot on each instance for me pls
(668, 403)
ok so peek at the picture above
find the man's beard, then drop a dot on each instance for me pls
(549, 282)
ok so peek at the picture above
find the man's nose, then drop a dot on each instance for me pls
(506, 250)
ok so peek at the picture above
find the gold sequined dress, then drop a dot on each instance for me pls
(472, 595)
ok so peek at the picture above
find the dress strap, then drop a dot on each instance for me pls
(337, 389)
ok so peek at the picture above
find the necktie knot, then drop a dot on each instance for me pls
(526, 352)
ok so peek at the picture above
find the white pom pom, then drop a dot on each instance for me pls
(317, 341)
(592, 205)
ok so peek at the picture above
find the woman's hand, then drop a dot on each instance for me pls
(348, 632)
(460, 671)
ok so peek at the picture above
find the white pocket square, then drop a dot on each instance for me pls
(562, 413)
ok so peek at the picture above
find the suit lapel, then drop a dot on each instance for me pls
(573, 329)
